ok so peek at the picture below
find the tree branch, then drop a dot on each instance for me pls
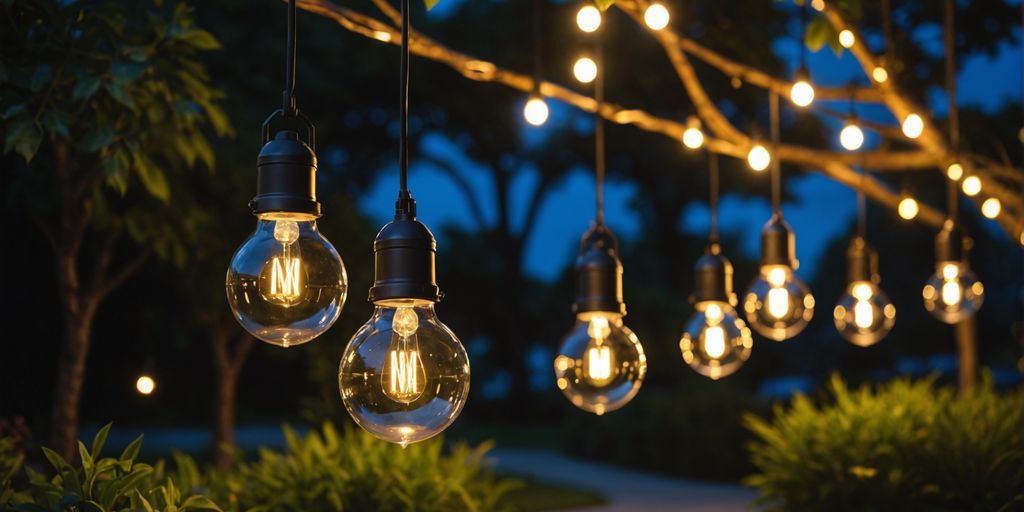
(463, 185)
(101, 289)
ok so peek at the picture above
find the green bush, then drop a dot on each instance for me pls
(901, 446)
(357, 472)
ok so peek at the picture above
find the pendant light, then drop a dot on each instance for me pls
(801, 93)
(716, 341)
(953, 293)
(404, 376)
(863, 314)
(536, 109)
(600, 364)
(286, 284)
(777, 304)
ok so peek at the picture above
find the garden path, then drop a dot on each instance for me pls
(625, 489)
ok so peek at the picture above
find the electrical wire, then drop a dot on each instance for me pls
(289, 109)
(537, 46)
(776, 171)
(405, 203)
(713, 195)
(599, 164)
(954, 122)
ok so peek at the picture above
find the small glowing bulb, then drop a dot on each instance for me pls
(145, 385)
(404, 364)
(536, 111)
(971, 185)
(656, 16)
(758, 158)
(802, 93)
(693, 137)
(913, 126)
(585, 70)
(908, 208)
(588, 18)
(851, 137)
(879, 74)
(818, 5)
(846, 38)
(991, 208)
(955, 171)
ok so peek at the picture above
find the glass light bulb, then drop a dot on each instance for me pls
(846, 38)
(535, 111)
(286, 284)
(585, 70)
(404, 376)
(145, 384)
(864, 314)
(588, 18)
(955, 171)
(971, 185)
(656, 16)
(802, 93)
(912, 126)
(851, 137)
(879, 74)
(778, 304)
(716, 341)
(991, 208)
(693, 138)
(953, 292)
(600, 364)
(908, 208)
(758, 158)
(818, 5)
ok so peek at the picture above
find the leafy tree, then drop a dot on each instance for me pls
(96, 101)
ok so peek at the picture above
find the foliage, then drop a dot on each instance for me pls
(355, 471)
(902, 446)
(101, 484)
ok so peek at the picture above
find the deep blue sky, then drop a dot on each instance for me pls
(984, 81)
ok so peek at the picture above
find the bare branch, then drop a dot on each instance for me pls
(463, 185)
(101, 289)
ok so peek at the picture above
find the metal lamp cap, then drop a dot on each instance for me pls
(286, 177)
(599, 273)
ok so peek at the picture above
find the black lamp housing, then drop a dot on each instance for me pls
(861, 261)
(599, 273)
(778, 243)
(286, 174)
(712, 277)
(404, 252)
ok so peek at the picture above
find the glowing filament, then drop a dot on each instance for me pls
(951, 292)
(285, 278)
(863, 316)
(778, 302)
(599, 364)
(714, 341)
(404, 384)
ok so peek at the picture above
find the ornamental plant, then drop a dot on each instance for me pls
(903, 445)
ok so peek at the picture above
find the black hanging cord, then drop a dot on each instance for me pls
(405, 203)
(887, 31)
(288, 108)
(713, 195)
(776, 164)
(862, 204)
(537, 46)
(954, 122)
(803, 29)
(599, 128)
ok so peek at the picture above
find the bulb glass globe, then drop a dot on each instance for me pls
(758, 158)
(404, 376)
(879, 74)
(778, 304)
(908, 208)
(716, 341)
(864, 314)
(913, 126)
(600, 364)
(955, 171)
(693, 138)
(535, 111)
(851, 137)
(953, 292)
(145, 385)
(971, 185)
(991, 208)
(585, 70)
(656, 16)
(846, 38)
(588, 18)
(802, 93)
(286, 284)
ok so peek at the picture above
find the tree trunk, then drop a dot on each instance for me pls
(228, 361)
(967, 355)
(224, 429)
(78, 317)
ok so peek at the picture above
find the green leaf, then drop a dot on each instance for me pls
(14, 110)
(40, 77)
(199, 502)
(430, 3)
(604, 5)
(124, 72)
(83, 453)
(29, 143)
(16, 129)
(200, 39)
(99, 441)
(96, 139)
(54, 458)
(152, 177)
(56, 123)
(85, 87)
(119, 94)
(819, 32)
(130, 452)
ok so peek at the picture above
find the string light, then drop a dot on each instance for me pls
(879, 74)
(991, 208)
(588, 18)
(971, 185)
(818, 5)
(535, 111)
(955, 171)
(851, 136)
(802, 92)
(585, 70)
(913, 126)
(656, 16)
(846, 38)
(758, 158)
(908, 208)
(693, 137)
(145, 385)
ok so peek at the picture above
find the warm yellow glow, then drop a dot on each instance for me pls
(598, 328)
(778, 302)
(656, 16)
(777, 276)
(991, 208)
(404, 386)
(145, 385)
(951, 292)
(846, 38)
(599, 364)
(693, 138)
(955, 171)
(380, 35)
(818, 5)
(912, 126)
(588, 18)
(802, 93)
(585, 70)
(405, 322)
(851, 137)
(714, 341)
(861, 291)
(404, 366)
(536, 111)
(950, 271)
(863, 316)
(284, 279)
(879, 74)
(758, 158)
(713, 313)
(908, 208)
(971, 185)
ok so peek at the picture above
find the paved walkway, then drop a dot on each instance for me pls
(627, 490)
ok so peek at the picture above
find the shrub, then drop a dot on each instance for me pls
(902, 446)
(357, 472)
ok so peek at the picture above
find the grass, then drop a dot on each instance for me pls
(538, 496)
